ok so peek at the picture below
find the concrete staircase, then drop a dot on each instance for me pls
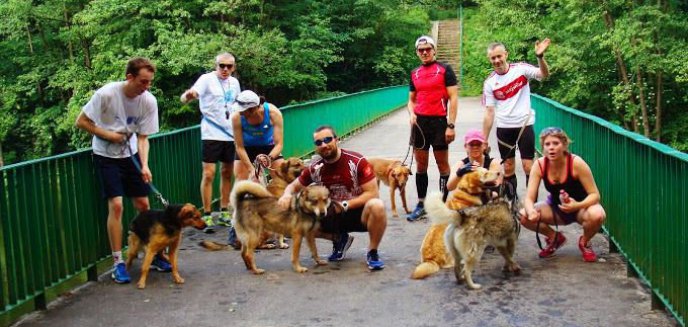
(448, 43)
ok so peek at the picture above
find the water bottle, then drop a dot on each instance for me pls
(563, 197)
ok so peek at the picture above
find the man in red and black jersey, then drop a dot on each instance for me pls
(433, 103)
(351, 182)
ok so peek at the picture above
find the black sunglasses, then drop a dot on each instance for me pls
(326, 140)
(223, 66)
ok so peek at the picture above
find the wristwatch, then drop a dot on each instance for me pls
(345, 205)
(450, 125)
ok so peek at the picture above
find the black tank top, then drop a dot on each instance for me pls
(572, 186)
(486, 161)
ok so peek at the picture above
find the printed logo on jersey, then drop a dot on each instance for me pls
(511, 89)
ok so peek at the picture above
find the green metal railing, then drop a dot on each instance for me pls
(644, 187)
(53, 218)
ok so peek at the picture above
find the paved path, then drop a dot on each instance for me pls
(562, 291)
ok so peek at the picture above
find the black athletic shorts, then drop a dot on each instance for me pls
(349, 221)
(431, 133)
(526, 144)
(119, 177)
(214, 151)
(254, 151)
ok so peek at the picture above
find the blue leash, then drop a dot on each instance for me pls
(138, 167)
(216, 125)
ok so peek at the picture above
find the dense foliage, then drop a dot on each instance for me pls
(55, 53)
(617, 59)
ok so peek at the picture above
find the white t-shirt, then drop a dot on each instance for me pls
(110, 109)
(215, 97)
(509, 93)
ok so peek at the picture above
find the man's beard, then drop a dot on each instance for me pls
(328, 154)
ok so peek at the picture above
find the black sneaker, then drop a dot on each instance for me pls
(340, 246)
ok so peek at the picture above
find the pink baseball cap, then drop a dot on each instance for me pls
(474, 135)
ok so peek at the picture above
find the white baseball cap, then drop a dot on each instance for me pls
(246, 100)
(425, 40)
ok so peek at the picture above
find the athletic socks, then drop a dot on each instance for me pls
(422, 184)
(511, 192)
(117, 257)
(443, 187)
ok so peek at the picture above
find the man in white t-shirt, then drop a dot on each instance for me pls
(120, 116)
(216, 91)
(506, 96)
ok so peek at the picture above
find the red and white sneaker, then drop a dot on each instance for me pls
(586, 249)
(553, 245)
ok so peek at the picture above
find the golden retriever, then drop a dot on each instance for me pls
(395, 175)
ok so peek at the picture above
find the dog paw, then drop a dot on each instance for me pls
(300, 269)
(321, 262)
(178, 279)
(258, 271)
(284, 246)
(474, 286)
(141, 285)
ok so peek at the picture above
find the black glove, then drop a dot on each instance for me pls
(465, 169)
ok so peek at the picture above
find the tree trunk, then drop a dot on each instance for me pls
(30, 40)
(643, 103)
(609, 22)
(658, 107)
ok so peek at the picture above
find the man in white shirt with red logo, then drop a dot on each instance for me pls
(506, 96)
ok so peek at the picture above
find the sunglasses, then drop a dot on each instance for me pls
(551, 130)
(223, 66)
(424, 50)
(326, 140)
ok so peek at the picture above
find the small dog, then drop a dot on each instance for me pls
(395, 175)
(158, 229)
(468, 193)
(256, 211)
(472, 229)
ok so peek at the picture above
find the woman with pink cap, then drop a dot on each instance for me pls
(474, 143)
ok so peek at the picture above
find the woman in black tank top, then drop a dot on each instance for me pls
(573, 197)
(474, 143)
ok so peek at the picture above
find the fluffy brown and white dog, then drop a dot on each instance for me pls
(395, 175)
(156, 230)
(433, 251)
(471, 229)
(256, 211)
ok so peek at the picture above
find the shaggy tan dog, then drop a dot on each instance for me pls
(433, 251)
(471, 229)
(395, 175)
(256, 211)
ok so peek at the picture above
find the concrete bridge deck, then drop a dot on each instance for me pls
(562, 291)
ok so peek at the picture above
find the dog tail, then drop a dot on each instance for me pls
(213, 246)
(425, 269)
(246, 187)
(438, 211)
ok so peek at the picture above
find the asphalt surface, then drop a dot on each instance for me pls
(219, 291)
